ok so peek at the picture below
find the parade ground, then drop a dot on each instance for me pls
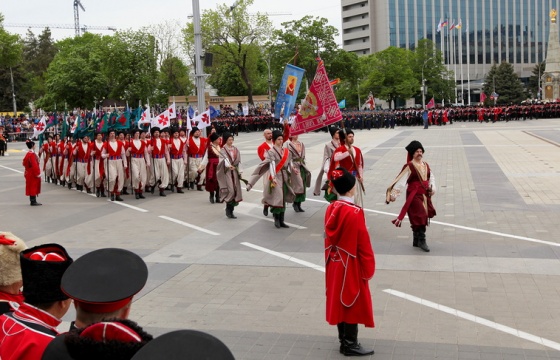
(489, 288)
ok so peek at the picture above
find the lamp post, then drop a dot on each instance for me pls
(424, 84)
(269, 80)
(13, 93)
(359, 103)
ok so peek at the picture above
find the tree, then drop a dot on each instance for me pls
(428, 62)
(533, 83)
(38, 53)
(390, 74)
(167, 35)
(501, 79)
(233, 34)
(10, 57)
(173, 80)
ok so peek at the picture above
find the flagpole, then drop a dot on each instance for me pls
(454, 63)
(468, 65)
(461, 65)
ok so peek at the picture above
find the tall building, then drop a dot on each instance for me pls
(474, 34)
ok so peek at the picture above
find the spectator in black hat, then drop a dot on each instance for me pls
(27, 331)
(185, 344)
(102, 284)
(420, 184)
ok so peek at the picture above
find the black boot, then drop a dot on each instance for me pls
(422, 240)
(112, 197)
(103, 193)
(415, 238)
(217, 194)
(211, 198)
(295, 206)
(282, 223)
(118, 198)
(98, 192)
(141, 196)
(276, 220)
(199, 187)
(70, 185)
(351, 346)
(232, 215)
(265, 210)
(34, 202)
(340, 327)
(180, 190)
(137, 195)
(162, 192)
(125, 192)
(299, 207)
(152, 189)
(191, 185)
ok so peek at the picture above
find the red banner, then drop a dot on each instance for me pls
(319, 108)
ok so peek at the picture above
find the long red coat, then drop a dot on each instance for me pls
(349, 265)
(32, 174)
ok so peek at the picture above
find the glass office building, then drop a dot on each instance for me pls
(489, 31)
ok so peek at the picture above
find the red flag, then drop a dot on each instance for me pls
(482, 97)
(319, 108)
(371, 102)
(431, 104)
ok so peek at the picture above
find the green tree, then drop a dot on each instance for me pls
(233, 35)
(38, 53)
(502, 80)
(533, 83)
(173, 80)
(428, 62)
(11, 50)
(390, 75)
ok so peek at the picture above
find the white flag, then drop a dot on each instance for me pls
(40, 127)
(146, 118)
(172, 112)
(161, 121)
(203, 120)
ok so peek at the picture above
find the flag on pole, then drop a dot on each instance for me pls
(482, 97)
(319, 108)
(40, 127)
(172, 112)
(452, 26)
(439, 25)
(342, 104)
(370, 102)
(123, 121)
(213, 112)
(190, 111)
(459, 24)
(162, 120)
(431, 104)
(287, 94)
(203, 120)
(145, 118)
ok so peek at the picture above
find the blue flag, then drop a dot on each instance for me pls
(288, 92)
(213, 112)
(342, 104)
(191, 112)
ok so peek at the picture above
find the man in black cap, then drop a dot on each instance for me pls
(185, 344)
(420, 184)
(102, 284)
(27, 331)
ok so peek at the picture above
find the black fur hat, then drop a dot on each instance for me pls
(342, 180)
(154, 129)
(214, 137)
(333, 130)
(412, 147)
(276, 134)
(42, 268)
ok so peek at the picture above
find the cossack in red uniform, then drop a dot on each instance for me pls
(195, 150)
(32, 174)
(263, 149)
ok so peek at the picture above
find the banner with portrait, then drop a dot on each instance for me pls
(287, 94)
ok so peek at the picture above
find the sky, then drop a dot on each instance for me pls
(134, 14)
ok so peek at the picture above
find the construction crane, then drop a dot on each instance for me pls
(84, 28)
(77, 4)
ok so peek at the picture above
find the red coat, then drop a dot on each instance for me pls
(349, 265)
(197, 151)
(27, 332)
(32, 174)
(262, 149)
(347, 162)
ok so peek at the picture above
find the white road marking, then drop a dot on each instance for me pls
(478, 320)
(284, 256)
(7, 168)
(189, 225)
(121, 203)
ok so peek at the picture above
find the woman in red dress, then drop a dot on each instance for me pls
(32, 174)
(349, 265)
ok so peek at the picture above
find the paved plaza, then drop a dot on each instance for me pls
(489, 288)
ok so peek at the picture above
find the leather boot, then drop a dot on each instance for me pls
(125, 191)
(282, 223)
(162, 192)
(265, 210)
(340, 327)
(299, 207)
(103, 193)
(33, 200)
(351, 346)
(70, 185)
(98, 192)
(422, 241)
(415, 238)
(295, 206)
(88, 190)
(137, 195)
(211, 198)
(62, 183)
(191, 185)
(112, 197)
(217, 194)
(277, 220)
(180, 190)
(118, 198)
(141, 196)
(231, 207)
(199, 187)
(152, 189)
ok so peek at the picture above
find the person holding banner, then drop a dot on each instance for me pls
(350, 157)
(277, 190)
(300, 176)
(261, 152)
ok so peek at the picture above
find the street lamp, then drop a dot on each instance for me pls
(359, 103)
(424, 84)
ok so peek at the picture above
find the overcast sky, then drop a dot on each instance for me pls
(125, 14)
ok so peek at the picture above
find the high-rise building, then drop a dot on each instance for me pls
(473, 34)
